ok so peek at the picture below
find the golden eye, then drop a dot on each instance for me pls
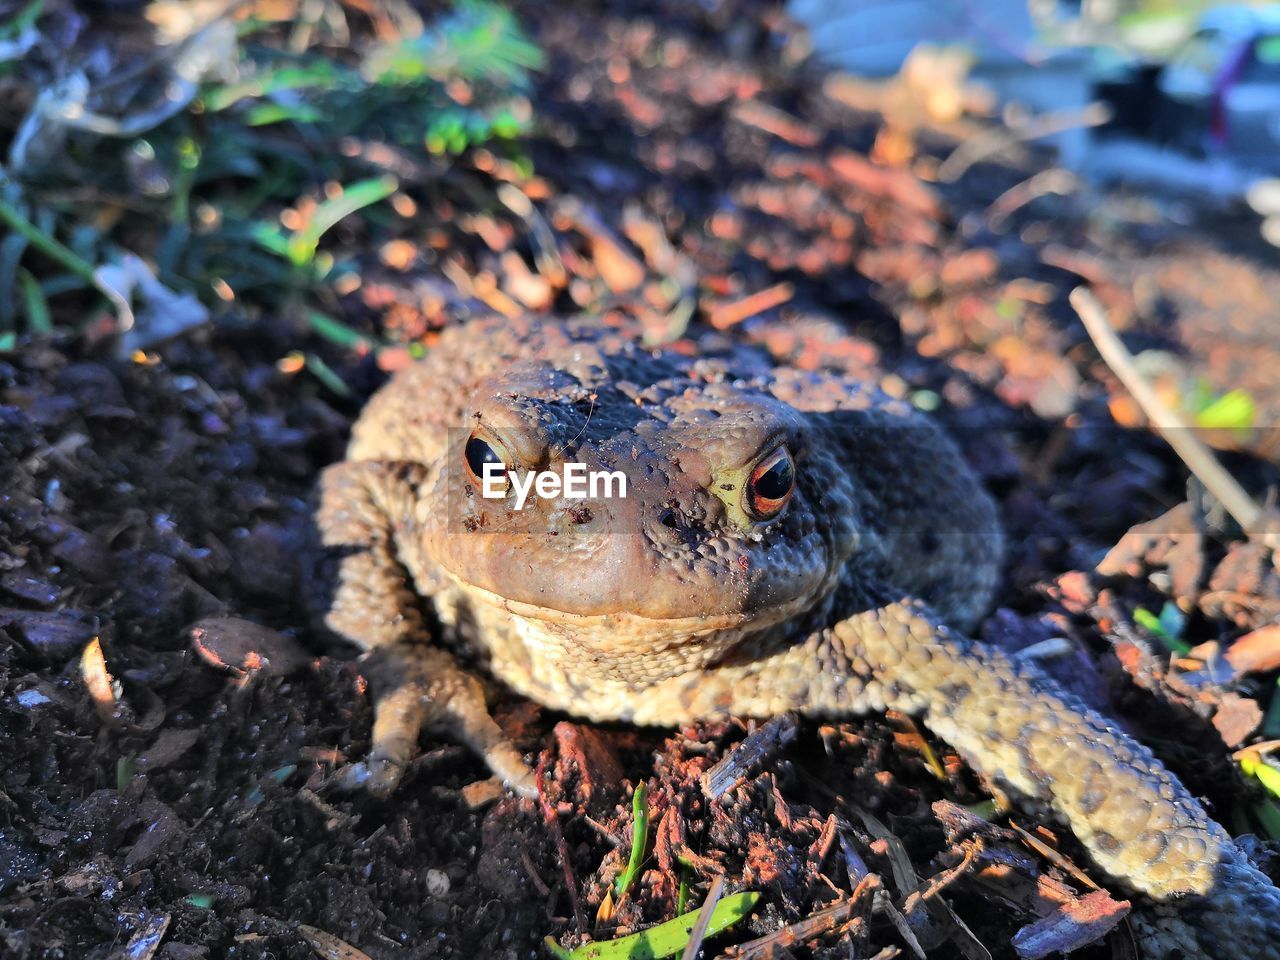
(772, 482)
(479, 451)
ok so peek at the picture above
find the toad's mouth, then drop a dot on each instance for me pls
(618, 629)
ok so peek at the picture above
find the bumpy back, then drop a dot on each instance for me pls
(928, 520)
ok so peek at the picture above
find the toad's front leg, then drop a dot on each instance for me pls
(1017, 728)
(367, 521)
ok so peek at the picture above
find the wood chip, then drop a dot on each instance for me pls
(171, 745)
(759, 745)
(893, 184)
(102, 687)
(146, 941)
(1072, 926)
(620, 271)
(781, 124)
(723, 316)
(1256, 652)
(241, 646)
(482, 793)
(1236, 718)
(1052, 855)
(329, 947)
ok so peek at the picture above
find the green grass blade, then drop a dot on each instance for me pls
(264, 114)
(1234, 410)
(321, 75)
(479, 39)
(25, 18)
(46, 244)
(664, 940)
(1165, 628)
(338, 333)
(1253, 764)
(639, 841)
(37, 307)
(300, 249)
(324, 373)
(270, 238)
(357, 196)
(1268, 815)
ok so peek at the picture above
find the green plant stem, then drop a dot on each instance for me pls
(47, 244)
(65, 256)
(639, 840)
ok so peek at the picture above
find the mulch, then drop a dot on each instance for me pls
(696, 171)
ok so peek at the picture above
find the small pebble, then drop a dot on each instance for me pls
(437, 883)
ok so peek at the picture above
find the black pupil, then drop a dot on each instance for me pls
(478, 453)
(775, 483)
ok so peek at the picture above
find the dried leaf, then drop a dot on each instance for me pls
(162, 314)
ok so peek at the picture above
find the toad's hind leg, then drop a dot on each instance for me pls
(1136, 820)
(366, 522)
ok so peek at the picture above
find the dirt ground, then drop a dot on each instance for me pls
(691, 166)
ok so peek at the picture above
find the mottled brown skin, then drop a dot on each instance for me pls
(673, 604)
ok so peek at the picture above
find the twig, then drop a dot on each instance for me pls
(1054, 180)
(1059, 860)
(727, 315)
(1198, 457)
(562, 849)
(532, 872)
(884, 904)
(985, 144)
(811, 927)
(939, 882)
(545, 255)
(699, 931)
(327, 945)
(777, 122)
(605, 833)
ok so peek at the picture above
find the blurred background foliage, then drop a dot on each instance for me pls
(200, 160)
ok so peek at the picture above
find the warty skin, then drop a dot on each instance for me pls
(690, 599)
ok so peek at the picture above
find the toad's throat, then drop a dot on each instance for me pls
(623, 644)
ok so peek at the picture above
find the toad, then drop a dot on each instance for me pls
(788, 541)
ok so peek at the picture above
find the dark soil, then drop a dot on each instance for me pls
(140, 495)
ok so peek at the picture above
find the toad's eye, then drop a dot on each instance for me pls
(479, 452)
(772, 482)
